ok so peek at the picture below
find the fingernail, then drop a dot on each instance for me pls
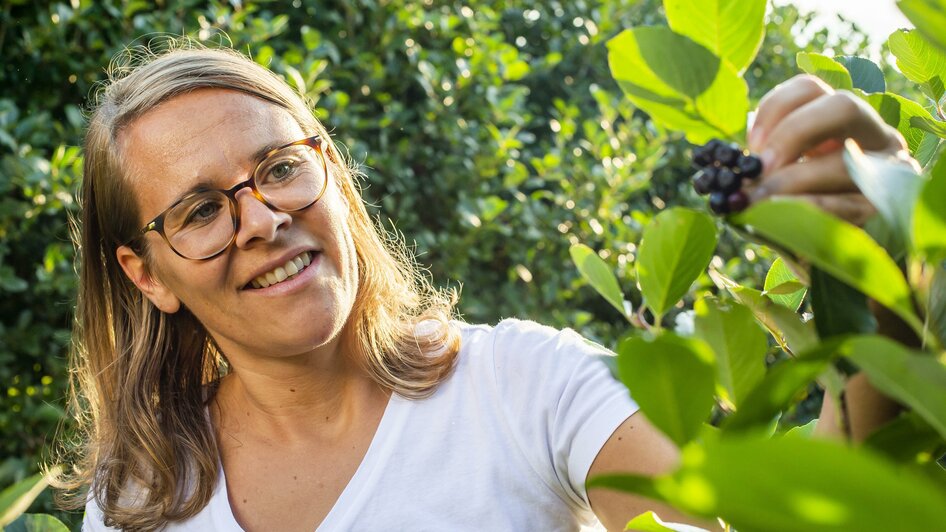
(768, 160)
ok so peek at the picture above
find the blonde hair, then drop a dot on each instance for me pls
(142, 378)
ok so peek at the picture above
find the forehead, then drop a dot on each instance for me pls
(208, 135)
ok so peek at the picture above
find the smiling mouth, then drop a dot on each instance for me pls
(282, 273)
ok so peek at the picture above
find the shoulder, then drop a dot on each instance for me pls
(523, 345)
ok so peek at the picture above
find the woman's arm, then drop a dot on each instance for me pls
(635, 447)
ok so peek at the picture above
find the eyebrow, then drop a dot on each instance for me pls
(204, 184)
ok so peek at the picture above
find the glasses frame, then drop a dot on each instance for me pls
(157, 224)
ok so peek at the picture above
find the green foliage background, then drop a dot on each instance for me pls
(492, 134)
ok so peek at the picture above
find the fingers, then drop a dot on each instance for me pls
(852, 207)
(835, 116)
(826, 174)
(780, 101)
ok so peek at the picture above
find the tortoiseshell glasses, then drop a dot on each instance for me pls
(204, 223)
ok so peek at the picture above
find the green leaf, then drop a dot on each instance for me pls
(928, 149)
(899, 112)
(36, 523)
(935, 303)
(865, 74)
(597, 273)
(829, 70)
(916, 380)
(802, 431)
(929, 215)
(929, 125)
(791, 484)
(838, 308)
(791, 333)
(783, 286)
(906, 439)
(676, 247)
(929, 17)
(15, 499)
(679, 83)
(919, 61)
(891, 185)
(739, 344)
(731, 29)
(783, 384)
(647, 522)
(672, 379)
(837, 247)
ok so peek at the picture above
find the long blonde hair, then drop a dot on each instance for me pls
(142, 378)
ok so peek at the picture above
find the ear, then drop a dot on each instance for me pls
(135, 269)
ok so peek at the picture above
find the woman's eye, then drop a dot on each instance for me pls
(281, 171)
(203, 213)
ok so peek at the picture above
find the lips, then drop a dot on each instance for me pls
(290, 269)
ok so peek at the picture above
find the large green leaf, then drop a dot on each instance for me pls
(676, 247)
(920, 61)
(36, 523)
(791, 484)
(15, 499)
(916, 380)
(891, 185)
(900, 112)
(783, 384)
(929, 16)
(738, 342)
(906, 439)
(783, 286)
(597, 273)
(672, 379)
(681, 84)
(929, 215)
(929, 125)
(829, 70)
(837, 247)
(791, 333)
(731, 29)
(838, 308)
(865, 74)
(647, 522)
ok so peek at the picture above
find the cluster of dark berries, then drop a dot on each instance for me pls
(722, 167)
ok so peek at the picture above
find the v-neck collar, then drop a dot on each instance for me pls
(354, 493)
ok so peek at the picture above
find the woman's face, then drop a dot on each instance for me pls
(213, 138)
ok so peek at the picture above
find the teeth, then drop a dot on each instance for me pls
(281, 273)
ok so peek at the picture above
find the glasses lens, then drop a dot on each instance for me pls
(292, 178)
(201, 225)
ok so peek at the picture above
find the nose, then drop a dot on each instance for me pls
(257, 221)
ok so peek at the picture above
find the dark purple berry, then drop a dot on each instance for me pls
(702, 157)
(703, 182)
(728, 181)
(718, 202)
(738, 201)
(711, 146)
(749, 166)
(727, 154)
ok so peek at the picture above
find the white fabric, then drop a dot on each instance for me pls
(505, 443)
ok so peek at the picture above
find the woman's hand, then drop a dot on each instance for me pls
(799, 131)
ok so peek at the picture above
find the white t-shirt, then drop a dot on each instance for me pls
(505, 443)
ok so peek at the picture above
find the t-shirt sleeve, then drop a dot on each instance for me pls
(561, 399)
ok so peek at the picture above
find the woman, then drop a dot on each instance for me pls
(253, 353)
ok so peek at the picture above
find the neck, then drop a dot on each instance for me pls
(317, 396)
